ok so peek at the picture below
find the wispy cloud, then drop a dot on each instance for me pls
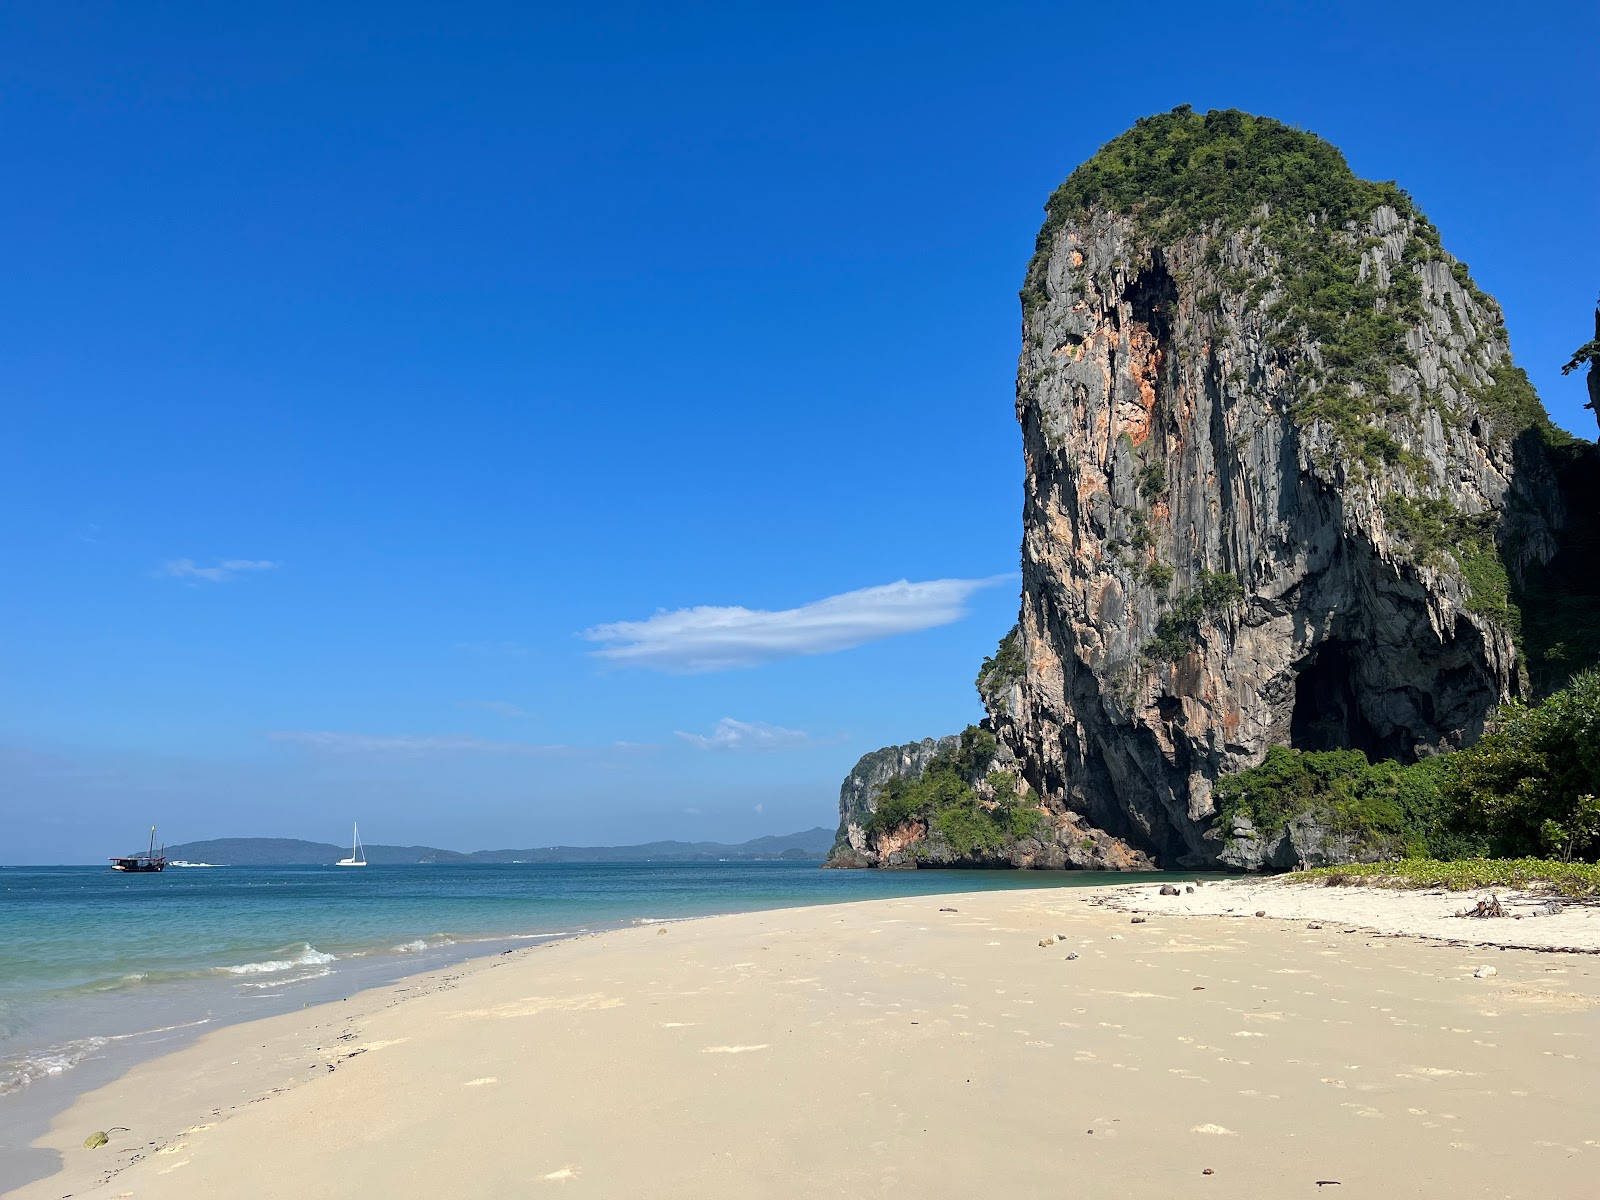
(746, 735)
(716, 638)
(500, 708)
(218, 572)
(418, 744)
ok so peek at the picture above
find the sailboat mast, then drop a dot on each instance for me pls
(152, 851)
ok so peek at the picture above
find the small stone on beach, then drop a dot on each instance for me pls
(1072, 955)
(1261, 912)
(1168, 890)
(1137, 921)
(1047, 941)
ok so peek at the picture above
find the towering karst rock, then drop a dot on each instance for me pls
(1283, 486)
(1282, 477)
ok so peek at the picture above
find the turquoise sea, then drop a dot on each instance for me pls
(99, 969)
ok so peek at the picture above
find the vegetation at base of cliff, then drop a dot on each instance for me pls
(1384, 804)
(1461, 875)
(1178, 631)
(945, 801)
(1530, 787)
(1002, 670)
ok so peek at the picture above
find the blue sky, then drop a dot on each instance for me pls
(374, 376)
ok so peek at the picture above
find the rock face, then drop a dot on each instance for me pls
(1281, 480)
(1045, 840)
(859, 791)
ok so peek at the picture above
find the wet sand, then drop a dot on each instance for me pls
(890, 1048)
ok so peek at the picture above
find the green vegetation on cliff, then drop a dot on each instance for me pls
(1529, 787)
(1000, 672)
(1181, 172)
(944, 799)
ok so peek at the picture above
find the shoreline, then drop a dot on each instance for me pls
(722, 1055)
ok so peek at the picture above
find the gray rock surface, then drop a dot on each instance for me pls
(1060, 840)
(1144, 358)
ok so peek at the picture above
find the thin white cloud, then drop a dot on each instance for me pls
(331, 742)
(718, 638)
(746, 735)
(219, 572)
(500, 708)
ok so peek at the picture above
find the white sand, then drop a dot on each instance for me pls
(1533, 921)
(891, 1049)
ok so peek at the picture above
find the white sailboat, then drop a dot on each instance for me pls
(358, 855)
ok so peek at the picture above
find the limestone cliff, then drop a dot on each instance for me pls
(1282, 480)
(960, 802)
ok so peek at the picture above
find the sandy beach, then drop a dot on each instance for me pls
(1019, 1044)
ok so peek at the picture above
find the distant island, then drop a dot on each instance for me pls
(810, 845)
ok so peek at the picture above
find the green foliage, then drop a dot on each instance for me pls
(1529, 787)
(1509, 401)
(944, 799)
(1179, 630)
(1003, 669)
(1530, 783)
(1158, 575)
(1153, 480)
(1402, 809)
(1181, 173)
(1461, 875)
(1438, 533)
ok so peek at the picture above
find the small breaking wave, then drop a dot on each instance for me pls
(18, 1071)
(309, 956)
(279, 982)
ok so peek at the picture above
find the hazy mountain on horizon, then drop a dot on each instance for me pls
(287, 852)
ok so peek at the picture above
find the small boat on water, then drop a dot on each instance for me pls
(143, 864)
(358, 853)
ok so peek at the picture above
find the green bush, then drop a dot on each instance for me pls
(1003, 669)
(945, 801)
(1179, 630)
(1530, 784)
(1529, 787)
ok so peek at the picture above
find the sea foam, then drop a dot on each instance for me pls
(309, 956)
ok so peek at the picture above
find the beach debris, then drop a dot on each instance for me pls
(1261, 912)
(1197, 989)
(1115, 937)
(1314, 925)
(1485, 908)
(1484, 973)
(1208, 1171)
(96, 1139)
(1072, 954)
(949, 910)
(1137, 921)
(1329, 1183)
(1168, 890)
(1061, 937)
(1047, 941)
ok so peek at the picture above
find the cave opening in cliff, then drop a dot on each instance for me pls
(1154, 298)
(1327, 706)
